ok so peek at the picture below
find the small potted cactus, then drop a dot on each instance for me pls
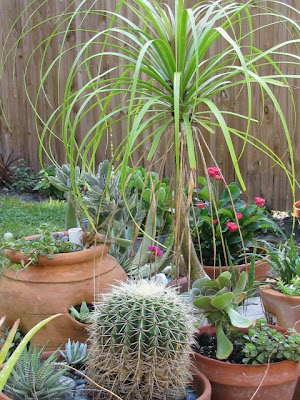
(141, 336)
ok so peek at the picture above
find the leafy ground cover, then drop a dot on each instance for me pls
(23, 218)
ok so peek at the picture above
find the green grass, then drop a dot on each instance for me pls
(24, 218)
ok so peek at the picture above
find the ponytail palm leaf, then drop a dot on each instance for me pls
(165, 82)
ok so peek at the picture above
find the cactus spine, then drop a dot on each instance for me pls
(141, 339)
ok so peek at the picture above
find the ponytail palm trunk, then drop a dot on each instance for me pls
(166, 83)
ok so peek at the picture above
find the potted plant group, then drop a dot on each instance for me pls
(143, 347)
(243, 359)
(281, 296)
(163, 95)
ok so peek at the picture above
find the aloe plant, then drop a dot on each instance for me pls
(219, 305)
(165, 88)
(7, 369)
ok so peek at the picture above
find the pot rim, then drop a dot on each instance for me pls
(67, 258)
(199, 376)
(257, 262)
(272, 292)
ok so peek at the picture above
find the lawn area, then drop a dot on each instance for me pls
(24, 218)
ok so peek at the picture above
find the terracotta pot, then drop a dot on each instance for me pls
(51, 287)
(262, 269)
(201, 385)
(297, 209)
(276, 381)
(181, 283)
(285, 308)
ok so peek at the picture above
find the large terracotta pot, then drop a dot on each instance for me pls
(262, 269)
(285, 308)
(51, 287)
(276, 381)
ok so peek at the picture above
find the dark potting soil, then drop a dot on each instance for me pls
(207, 347)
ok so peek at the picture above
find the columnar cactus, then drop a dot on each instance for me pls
(141, 339)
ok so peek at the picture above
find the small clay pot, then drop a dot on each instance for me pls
(285, 308)
(201, 385)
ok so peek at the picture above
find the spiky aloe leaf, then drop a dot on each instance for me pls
(222, 301)
(238, 320)
(5, 348)
(204, 303)
(224, 345)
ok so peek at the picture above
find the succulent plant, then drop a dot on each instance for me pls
(63, 182)
(219, 305)
(32, 379)
(140, 342)
(83, 315)
(75, 353)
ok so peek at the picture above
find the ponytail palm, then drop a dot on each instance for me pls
(165, 83)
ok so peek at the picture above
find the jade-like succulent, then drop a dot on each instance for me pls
(140, 342)
(219, 305)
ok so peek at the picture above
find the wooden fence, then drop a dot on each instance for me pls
(17, 122)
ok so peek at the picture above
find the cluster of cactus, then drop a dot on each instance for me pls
(141, 338)
(32, 379)
(219, 304)
(75, 353)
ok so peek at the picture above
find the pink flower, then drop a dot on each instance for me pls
(156, 250)
(239, 215)
(213, 172)
(218, 177)
(259, 201)
(232, 226)
(215, 221)
(246, 204)
(200, 205)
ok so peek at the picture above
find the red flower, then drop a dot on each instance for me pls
(215, 221)
(218, 177)
(239, 215)
(259, 201)
(232, 226)
(214, 172)
(156, 250)
(200, 205)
